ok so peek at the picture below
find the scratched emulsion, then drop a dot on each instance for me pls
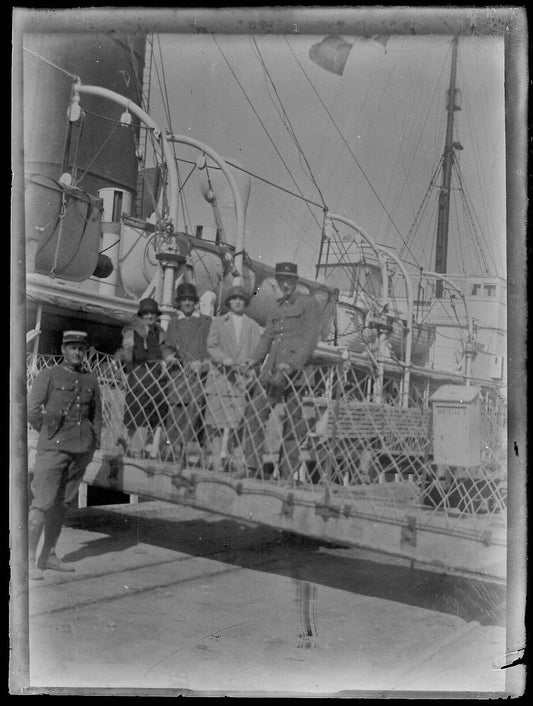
(306, 599)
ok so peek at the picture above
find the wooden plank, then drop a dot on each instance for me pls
(347, 517)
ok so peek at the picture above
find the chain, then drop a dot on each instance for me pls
(61, 218)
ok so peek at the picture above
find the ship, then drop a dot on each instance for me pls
(103, 231)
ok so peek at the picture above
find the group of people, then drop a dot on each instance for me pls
(210, 392)
(197, 354)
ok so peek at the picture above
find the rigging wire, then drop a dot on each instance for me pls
(286, 121)
(264, 127)
(259, 178)
(95, 156)
(418, 215)
(346, 144)
(47, 61)
(477, 234)
(481, 174)
(457, 243)
(166, 103)
(165, 110)
(420, 136)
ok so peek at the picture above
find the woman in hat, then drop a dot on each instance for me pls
(141, 350)
(232, 341)
(185, 354)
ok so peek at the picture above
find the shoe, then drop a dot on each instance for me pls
(55, 564)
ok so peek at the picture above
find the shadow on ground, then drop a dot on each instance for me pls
(247, 546)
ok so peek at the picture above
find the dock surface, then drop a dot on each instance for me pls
(173, 598)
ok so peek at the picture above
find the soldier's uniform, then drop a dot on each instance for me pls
(290, 336)
(64, 405)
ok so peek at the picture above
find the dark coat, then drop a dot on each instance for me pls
(141, 343)
(291, 333)
(142, 352)
(186, 338)
(64, 405)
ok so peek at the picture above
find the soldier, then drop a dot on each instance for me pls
(290, 337)
(64, 406)
(185, 354)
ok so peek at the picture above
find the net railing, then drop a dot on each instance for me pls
(317, 429)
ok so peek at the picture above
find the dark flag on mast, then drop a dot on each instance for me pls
(332, 52)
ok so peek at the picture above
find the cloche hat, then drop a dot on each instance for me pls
(235, 292)
(186, 291)
(148, 306)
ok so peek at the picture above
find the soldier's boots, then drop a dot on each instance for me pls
(53, 562)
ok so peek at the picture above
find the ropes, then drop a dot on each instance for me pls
(475, 233)
(50, 63)
(259, 178)
(286, 121)
(346, 144)
(422, 206)
(263, 125)
(95, 157)
(166, 106)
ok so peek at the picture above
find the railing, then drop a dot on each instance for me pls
(318, 429)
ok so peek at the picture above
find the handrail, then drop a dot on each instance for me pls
(380, 249)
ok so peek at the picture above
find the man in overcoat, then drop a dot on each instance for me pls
(64, 406)
(290, 336)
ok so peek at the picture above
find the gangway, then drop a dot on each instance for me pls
(366, 475)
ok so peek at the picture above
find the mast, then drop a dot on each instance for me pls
(441, 249)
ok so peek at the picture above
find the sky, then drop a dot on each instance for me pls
(232, 91)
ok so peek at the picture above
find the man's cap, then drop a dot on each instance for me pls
(148, 306)
(186, 291)
(75, 337)
(235, 292)
(286, 269)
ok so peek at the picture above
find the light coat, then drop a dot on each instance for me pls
(226, 387)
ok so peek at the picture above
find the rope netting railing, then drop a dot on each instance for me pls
(318, 429)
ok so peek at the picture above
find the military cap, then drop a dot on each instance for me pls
(75, 337)
(286, 269)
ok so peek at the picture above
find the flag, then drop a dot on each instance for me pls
(332, 52)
